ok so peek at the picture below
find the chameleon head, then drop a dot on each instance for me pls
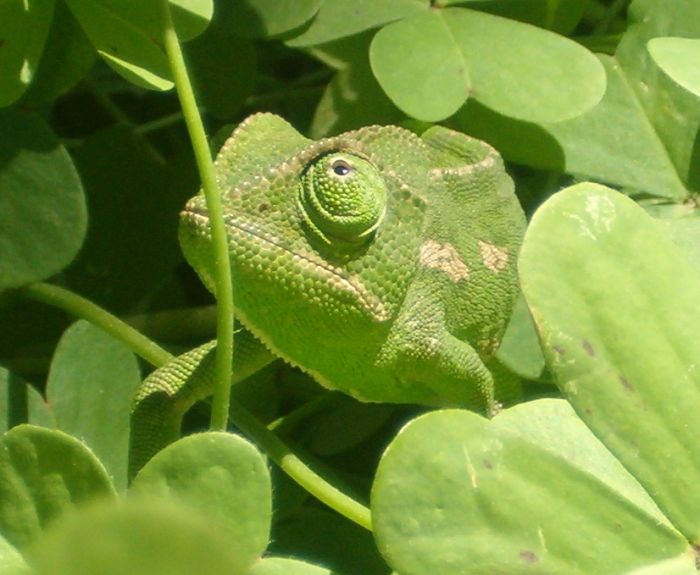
(303, 219)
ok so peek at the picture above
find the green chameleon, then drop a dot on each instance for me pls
(381, 263)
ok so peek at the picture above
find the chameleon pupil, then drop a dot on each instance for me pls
(341, 168)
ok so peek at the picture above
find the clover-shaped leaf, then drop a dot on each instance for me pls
(531, 491)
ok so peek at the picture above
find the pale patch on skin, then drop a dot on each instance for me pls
(444, 257)
(494, 258)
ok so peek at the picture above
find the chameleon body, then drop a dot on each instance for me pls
(380, 262)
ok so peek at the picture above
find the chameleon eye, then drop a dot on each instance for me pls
(341, 167)
(342, 198)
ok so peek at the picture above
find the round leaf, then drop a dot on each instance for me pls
(90, 387)
(615, 303)
(222, 475)
(680, 59)
(24, 27)
(531, 491)
(261, 18)
(515, 69)
(42, 208)
(432, 84)
(139, 538)
(340, 18)
(43, 472)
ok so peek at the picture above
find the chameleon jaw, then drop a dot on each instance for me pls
(196, 220)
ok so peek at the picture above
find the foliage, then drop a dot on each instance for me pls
(595, 475)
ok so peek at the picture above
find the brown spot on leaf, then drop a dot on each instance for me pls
(2, 42)
(263, 207)
(625, 383)
(588, 348)
(488, 464)
(529, 556)
(559, 349)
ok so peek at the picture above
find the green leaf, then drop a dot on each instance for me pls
(43, 472)
(353, 98)
(520, 349)
(673, 111)
(223, 83)
(615, 304)
(344, 425)
(24, 27)
(680, 59)
(139, 538)
(67, 58)
(135, 197)
(456, 493)
(561, 16)
(342, 18)
(613, 142)
(264, 18)
(42, 208)
(513, 68)
(21, 403)
(221, 475)
(191, 17)
(128, 34)
(285, 566)
(91, 384)
(324, 537)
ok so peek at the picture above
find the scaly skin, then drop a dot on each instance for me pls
(380, 262)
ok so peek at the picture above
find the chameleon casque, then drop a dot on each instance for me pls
(380, 262)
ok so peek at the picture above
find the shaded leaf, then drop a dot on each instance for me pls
(224, 71)
(42, 208)
(340, 18)
(21, 403)
(264, 18)
(324, 537)
(134, 199)
(43, 472)
(67, 58)
(91, 384)
(24, 27)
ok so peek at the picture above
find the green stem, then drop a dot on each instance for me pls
(224, 288)
(159, 123)
(278, 451)
(293, 466)
(79, 306)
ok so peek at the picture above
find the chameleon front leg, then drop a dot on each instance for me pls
(426, 358)
(167, 393)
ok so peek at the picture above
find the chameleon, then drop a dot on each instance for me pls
(380, 262)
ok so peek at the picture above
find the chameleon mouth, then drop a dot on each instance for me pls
(198, 220)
